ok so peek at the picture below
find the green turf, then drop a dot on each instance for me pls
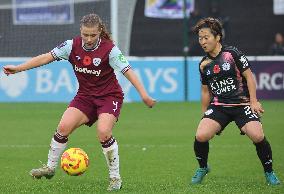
(155, 151)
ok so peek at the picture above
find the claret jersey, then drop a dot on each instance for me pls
(223, 76)
(94, 68)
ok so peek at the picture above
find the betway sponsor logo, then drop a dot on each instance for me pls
(223, 86)
(89, 71)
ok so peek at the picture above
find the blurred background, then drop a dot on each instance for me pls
(28, 27)
(155, 35)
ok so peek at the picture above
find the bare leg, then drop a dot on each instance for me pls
(71, 119)
(254, 131)
(106, 122)
(109, 144)
(206, 130)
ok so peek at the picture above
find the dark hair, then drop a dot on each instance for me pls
(91, 20)
(213, 24)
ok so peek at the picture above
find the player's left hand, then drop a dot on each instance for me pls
(150, 102)
(256, 108)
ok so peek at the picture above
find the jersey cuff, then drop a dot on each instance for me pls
(244, 69)
(54, 56)
(125, 69)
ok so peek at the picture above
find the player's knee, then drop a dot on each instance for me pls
(103, 137)
(258, 137)
(202, 137)
(104, 134)
(64, 129)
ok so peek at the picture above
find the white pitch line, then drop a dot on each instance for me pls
(22, 146)
(135, 146)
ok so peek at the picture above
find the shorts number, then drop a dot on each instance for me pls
(115, 105)
(249, 112)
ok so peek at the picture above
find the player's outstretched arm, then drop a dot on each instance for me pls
(32, 63)
(130, 75)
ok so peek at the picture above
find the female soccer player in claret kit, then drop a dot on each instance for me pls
(228, 94)
(94, 57)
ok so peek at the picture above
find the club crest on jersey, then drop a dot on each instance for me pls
(226, 66)
(208, 72)
(216, 69)
(96, 61)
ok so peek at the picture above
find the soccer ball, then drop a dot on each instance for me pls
(74, 161)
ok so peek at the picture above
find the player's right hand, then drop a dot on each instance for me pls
(10, 69)
(256, 108)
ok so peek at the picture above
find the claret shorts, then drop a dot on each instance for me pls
(92, 106)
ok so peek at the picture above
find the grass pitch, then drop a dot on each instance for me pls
(156, 151)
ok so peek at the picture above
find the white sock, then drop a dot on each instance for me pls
(54, 154)
(112, 159)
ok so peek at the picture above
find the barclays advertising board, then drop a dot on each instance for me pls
(56, 82)
(163, 77)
